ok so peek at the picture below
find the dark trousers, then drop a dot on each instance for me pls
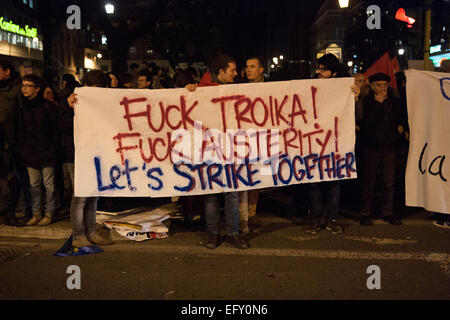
(17, 182)
(324, 199)
(373, 158)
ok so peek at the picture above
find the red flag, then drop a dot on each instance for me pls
(385, 65)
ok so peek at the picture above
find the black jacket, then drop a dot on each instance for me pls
(36, 133)
(65, 127)
(380, 121)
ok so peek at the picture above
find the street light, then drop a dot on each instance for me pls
(350, 63)
(281, 57)
(275, 60)
(401, 51)
(343, 3)
(109, 8)
(99, 55)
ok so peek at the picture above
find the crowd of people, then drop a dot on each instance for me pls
(37, 149)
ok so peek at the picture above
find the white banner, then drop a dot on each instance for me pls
(428, 168)
(172, 142)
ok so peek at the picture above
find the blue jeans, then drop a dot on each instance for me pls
(231, 213)
(47, 175)
(83, 215)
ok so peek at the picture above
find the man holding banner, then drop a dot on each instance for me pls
(223, 71)
(324, 197)
(83, 210)
(248, 200)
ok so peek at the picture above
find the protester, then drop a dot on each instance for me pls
(381, 128)
(68, 85)
(223, 71)
(144, 80)
(36, 139)
(83, 210)
(13, 174)
(248, 200)
(127, 81)
(113, 80)
(324, 197)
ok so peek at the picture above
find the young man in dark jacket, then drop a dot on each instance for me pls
(324, 197)
(223, 71)
(36, 139)
(381, 129)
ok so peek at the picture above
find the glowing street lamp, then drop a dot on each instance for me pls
(109, 8)
(281, 57)
(401, 51)
(343, 3)
(350, 63)
(275, 60)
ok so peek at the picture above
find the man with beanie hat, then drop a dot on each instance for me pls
(324, 197)
(381, 128)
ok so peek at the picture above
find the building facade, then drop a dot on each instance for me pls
(21, 41)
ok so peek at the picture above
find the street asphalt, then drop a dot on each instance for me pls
(283, 263)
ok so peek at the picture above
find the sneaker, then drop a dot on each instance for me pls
(442, 223)
(365, 221)
(34, 220)
(238, 242)
(334, 227)
(313, 228)
(213, 241)
(393, 220)
(244, 227)
(80, 241)
(95, 238)
(45, 221)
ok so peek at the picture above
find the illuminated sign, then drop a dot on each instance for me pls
(14, 28)
(437, 48)
(401, 15)
(437, 60)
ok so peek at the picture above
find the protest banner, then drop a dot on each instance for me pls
(428, 169)
(172, 142)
